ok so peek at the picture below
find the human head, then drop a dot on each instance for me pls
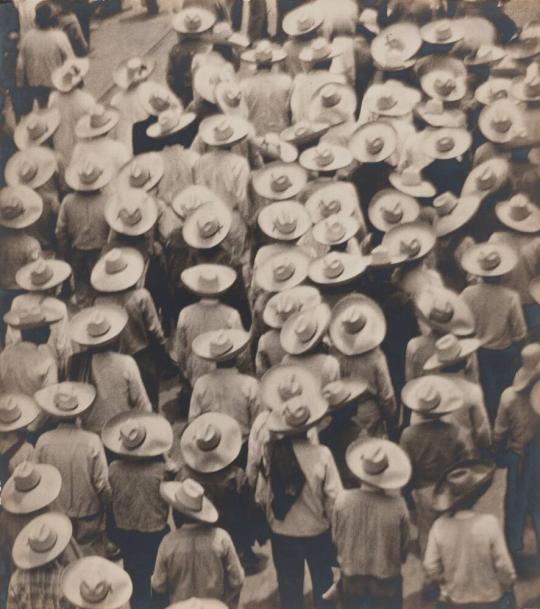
(45, 16)
(38, 336)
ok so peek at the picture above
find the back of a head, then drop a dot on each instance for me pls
(45, 17)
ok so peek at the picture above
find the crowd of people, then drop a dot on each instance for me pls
(321, 233)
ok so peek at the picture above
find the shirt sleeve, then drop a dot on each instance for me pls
(138, 398)
(385, 390)
(501, 429)
(480, 421)
(433, 566)
(150, 316)
(100, 473)
(500, 556)
(332, 485)
(231, 564)
(195, 406)
(61, 230)
(405, 530)
(159, 576)
(516, 321)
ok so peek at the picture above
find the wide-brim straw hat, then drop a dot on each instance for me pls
(98, 121)
(412, 239)
(230, 98)
(285, 270)
(391, 98)
(485, 55)
(169, 122)
(199, 603)
(318, 50)
(529, 372)
(133, 70)
(465, 347)
(284, 220)
(284, 382)
(501, 121)
(396, 44)
(302, 20)
(493, 89)
(336, 229)
(519, 213)
(207, 226)
(443, 78)
(279, 181)
(273, 148)
(36, 128)
(156, 98)
(526, 89)
(332, 99)
(450, 219)
(193, 21)
(357, 325)
(93, 582)
(329, 200)
(442, 31)
(264, 52)
(42, 540)
(440, 116)
(66, 400)
(433, 395)
(464, 480)
(17, 411)
(304, 132)
(33, 316)
(284, 304)
(191, 198)
(98, 325)
(222, 34)
(208, 279)
(379, 463)
(325, 157)
(390, 208)
(32, 487)
(134, 212)
(188, 498)
(211, 442)
(305, 329)
(412, 184)
(208, 76)
(344, 391)
(89, 173)
(487, 177)
(70, 73)
(20, 207)
(298, 414)
(373, 142)
(447, 143)
(31, 167)
(143, 171)
(445, 311)
(527, 44)
(489, 260)
(137, 435)
(223, 130)
(119, 269)
(220, 345)
(337, 268)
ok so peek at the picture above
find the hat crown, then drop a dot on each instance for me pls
(209, 438)
(332, 266)
(280, 182)
(208, 225)
(374, 145)
(429, 397)
(223, 131)
(330, 97)
(410, 247)
(233, 96)
(444, 85)
(285, 306)
(434, 106)
(392, 212)
(115, 261)
(283, 270)
(98, 324)
(484, 51)
(30, 314)
(139, 175)
(26, 477)
(445, 203)
(320, 49)
(93, 588)
(11, 208)
(386, 101)
(208, 279)
(354, 320)
(190, 494)
(36, 127)
(159, 103)
(168, 119)
(289, 388)
(329, 207)
(375, 461)
(66, 400)
(10, 410)
(285, 222)
(445, 143)
(132, 434)
(89, 172)
(42, 538)
(305, 22)
(98, 116)
(498, 91)
(296, 413)
(263, 51)
(411, 177)
(192, 21)
(334, 229)
(305, 328)
(130, 213)
(460, 480)
(302, 129)
(489, 259)
(443, 30)
(335, 392)
(448, 348)
(323, 156)
(380, 255)
(486, 178)
(41, 273)
(28, 170)
(220, 344)
(520, 207)
(501, 121)
(441, 311)
(532, 86)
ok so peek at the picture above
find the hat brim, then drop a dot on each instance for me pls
(305, 297)
(483, 93)
(350, 225)
(424, 233)
(501, 173)
(290, 20)
(225, 274)
(531, 224)
(264, 274)
(239, 125)
(291, 343)
(275, 376)
(116, 282)
(429, 34)
(410, 207)
(395, 476)
(210, 461)
(29, 413)
(201, 345)
(451, 398)
(463, 213)
(250, 56)
(478, 62)
(452, 118)
(424, 190)
(22, 137)
(315, 131)
(488, 131)
(462, 322)
(262, 180)
(81, 63)
(26, 558)
(407, 33)
(116, 316)
(51, 316)
(149, 218)
(345, 107)
(354, 389)
(74, 181)
(149, 88)
(267, 216)
(357, 143)
(313, 205)
(194, 239)
(518, 51)
(158, 440)
(462, 143)
(46, 165)
(61, 271)
(468, 347)
(342, 158)
(427, 82)
(207, 513)
(33, 207)
(153, 162)
(525, 377)
(353, 265)
(470, 263)
(155, 130)
(42, 495)
(277, 423)
(86, 394)
(207, 21)
(120, 74)
(371, 335)
(83, 128)
(444, 499)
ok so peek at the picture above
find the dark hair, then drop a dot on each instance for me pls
(38, 336)
(181, 519)
(46, 16)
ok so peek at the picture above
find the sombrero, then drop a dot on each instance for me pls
(284, 270)
(208, 76)
(207, 226)
(156, 98)
(336, 229)
(463, 481)
(379, 463)
(230, 99)
(188, 498)
(211, 442)
(357, 325)
(222, 34)
(527, 88)
(193, 21)
(450, 350)
(493, 89)
(285, 382)
(435, 114)
(220, 345)
(97, 325)
(501, 121)
(390, 208)
(317, 51)
(489, 260)
(272, 147)
(304, 132)
(329, 200)
(98, 121)
(119, 269)
(170, 121)
(32, 487)
(381, 258)
(137, 434)
(89, 173)
(391, 98)
(325, 157)
(527, 44)
(453, 212)
(373, 142)
(264, 52)
(414, 240)
(284, 220)
(519, 213)
(31, 167)
(332, 103)
(305, 329)
(297, 415)
(70, 73)
(143, 171)
(445, 311)
(36, 128)
(223, 130)
(133, 71)
(284, 304)
(208, 279)
(191, 198)
(487, 177)
(443, 78)
(396, 44)
(66, 400)
(32, 316)
(442, 31)
(432, 395)
(20, 207)
(17, 411)
(340, 393)
(447, 143)
(337, 268)
(199, 603)
(133, 213)
(410, 182)
(485, 55)
(279, 181)
(302, 20)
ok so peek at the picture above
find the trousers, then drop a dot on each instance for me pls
(367, 592)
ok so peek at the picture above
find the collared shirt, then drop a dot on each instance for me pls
(26, 368)
(324, 367)
(304, 87)
(39, 588)
(371, 533)
(497, 314)
(143, 327)
(466, 553)
(16, 249)
(227, 391)
(178, 171)
(81, 223)
(203, 316)
(516, 423)
(136, 502)
(119, 387)
(311, 514)
(269, 352)
(267, 98)
(79, 457)
(197, 561)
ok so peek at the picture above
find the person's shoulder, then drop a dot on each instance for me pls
(488, 523)
(508, 397)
